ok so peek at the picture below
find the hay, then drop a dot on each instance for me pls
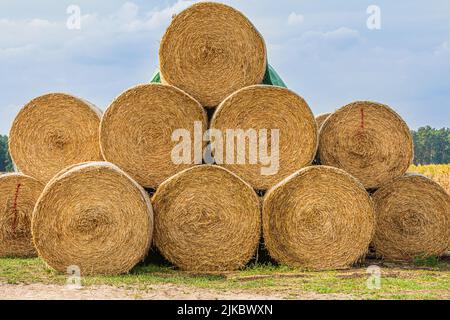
(266, 107)
(136, 131)
(368, 140)
(319, 218)
(93, 216)
(52, 132)
(413, 219)
(18, 195)
(210, 50)
(320, 119)
(207, 219)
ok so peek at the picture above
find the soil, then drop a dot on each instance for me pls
(154, 292)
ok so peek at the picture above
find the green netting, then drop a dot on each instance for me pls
(156, 77)
(270, 78)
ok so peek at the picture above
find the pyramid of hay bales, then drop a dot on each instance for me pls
(95, 213)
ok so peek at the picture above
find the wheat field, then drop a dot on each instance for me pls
(438, 172)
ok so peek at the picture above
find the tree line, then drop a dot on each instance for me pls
(431, 146)
(5, 160)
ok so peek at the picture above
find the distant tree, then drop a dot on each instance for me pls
(5, 159)
(431, 146)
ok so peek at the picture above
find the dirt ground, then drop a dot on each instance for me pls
(155, 292)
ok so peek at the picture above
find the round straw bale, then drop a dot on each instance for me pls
(320, 119)
(136, 131)
(413, 218)
(207, 219)
(93, 216)
(211, 50)
(52, 132)
(318, 218)
(18, 195)
(255, 109)
(368, 140)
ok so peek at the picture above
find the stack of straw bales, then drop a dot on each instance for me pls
(372, 142)
(95, 214)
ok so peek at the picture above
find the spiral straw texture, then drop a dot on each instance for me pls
(259, 108)
(413, 219)
(207, 219)
(52, 132)
(318, 218)
(18, 195)
(368, 140)
(136, 131)
(320, 119)
(93, 216)
(210, 50)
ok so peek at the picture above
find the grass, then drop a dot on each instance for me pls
(432, 261)
(397, 282)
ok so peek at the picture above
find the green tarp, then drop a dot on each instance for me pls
(270, 78)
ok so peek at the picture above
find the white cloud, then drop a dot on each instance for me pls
(443, 49)
(158, 18)
(39, 23)
(128, 12)
(317, 42)
(342, 33)
(295, 19)
(130, 18)
(26, 23)
(14, 52)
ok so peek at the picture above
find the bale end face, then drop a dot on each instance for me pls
(95, 217)
(210, 50)
(318, 218)
(272, 127)
(52, 132)
(137, 131)
(207, 219)
(413, 219)
(18, 196)
(368, 140)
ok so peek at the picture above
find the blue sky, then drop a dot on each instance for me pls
(322, 49)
